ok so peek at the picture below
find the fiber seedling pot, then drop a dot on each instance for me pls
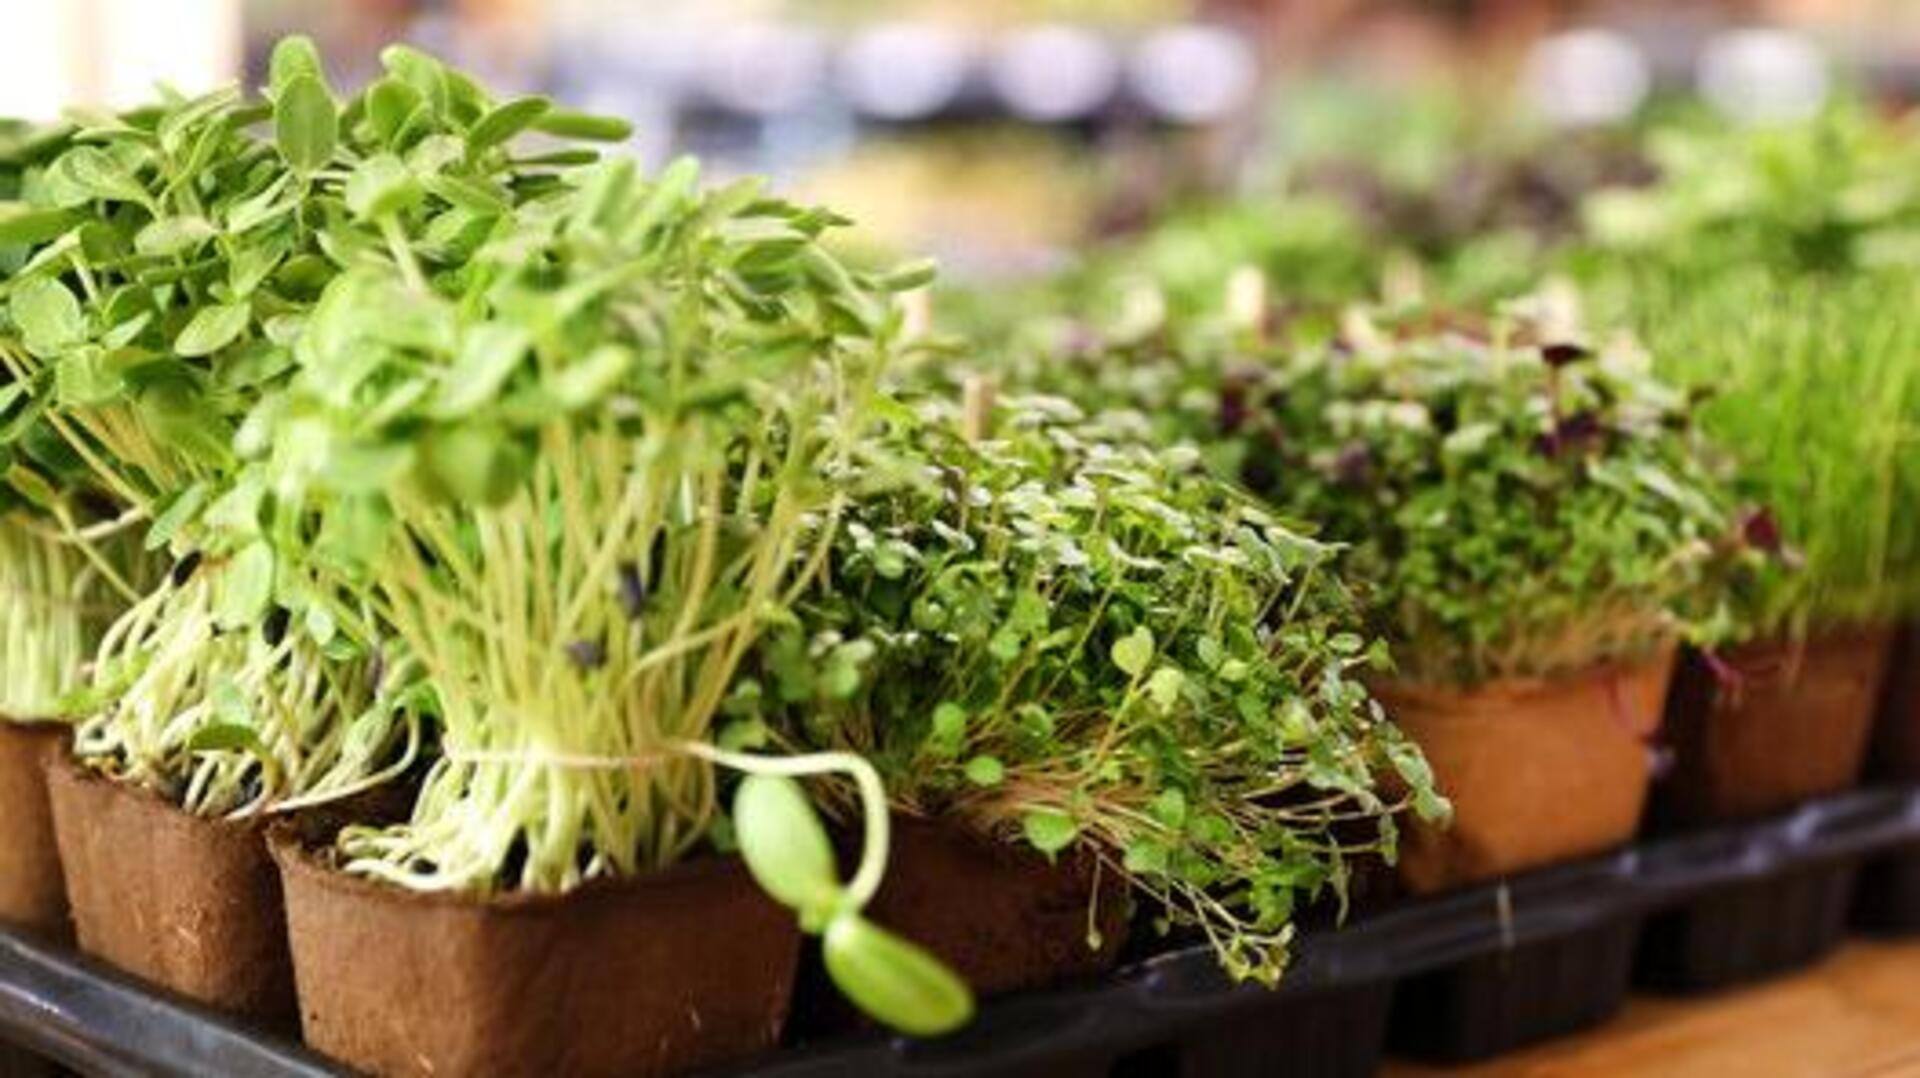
(1539, 771)
(685, 969)
(1889, 892)
(33, 896)
(1790, 724)
(1001, 915)
(187, 903)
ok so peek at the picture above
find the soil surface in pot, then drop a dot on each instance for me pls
(187, 903)
(33, 895)
(681, 970)
(1539, 771)
(1782, 722)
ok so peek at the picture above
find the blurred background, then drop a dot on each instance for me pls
(999, 135)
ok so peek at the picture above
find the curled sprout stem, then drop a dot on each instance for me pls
(873, 801)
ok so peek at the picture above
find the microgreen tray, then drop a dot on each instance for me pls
(1167, 1014)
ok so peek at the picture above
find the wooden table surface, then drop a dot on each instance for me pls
(1857, 1015)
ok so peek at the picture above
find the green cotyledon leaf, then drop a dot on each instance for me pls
(896, 982)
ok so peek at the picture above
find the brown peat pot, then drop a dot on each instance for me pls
(33, 896)
(1782, 722)
(1539, 770)
(685, 969)
(1895, 751)
(1889, 892)
(1002, 915)
(999, 914)
(187, 903)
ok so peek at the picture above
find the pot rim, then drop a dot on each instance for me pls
(65, 767)
(297, 859)
(1391, 690)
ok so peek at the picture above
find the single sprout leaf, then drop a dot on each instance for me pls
(1164, 687)
(246, 587)
(1049, 831)
(212, 329)
(587, 381)
(506, 121)
(986, 771)
(912, 275)
(381, 186)
(896, 982)
(48, 315)
(785, 845)
(565, 123)
(173, 235)
(100, 175)
(1132, 653)
(23, 224)
(294, 56)
(306, 125)
(474, 462)
(226, 737)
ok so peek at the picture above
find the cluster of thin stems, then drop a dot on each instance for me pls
(580, 639)
(49, 608)
(319, 729)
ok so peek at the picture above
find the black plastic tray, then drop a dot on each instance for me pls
(1175, 1014)
(1888, 900)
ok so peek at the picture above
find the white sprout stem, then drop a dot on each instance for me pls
(43, 630)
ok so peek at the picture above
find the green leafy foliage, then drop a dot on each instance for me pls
(1775, 268)
(1833, 193)
(144, 348)
(1814, 383)
(1515, 508)
(571, 461)
(1064, 640)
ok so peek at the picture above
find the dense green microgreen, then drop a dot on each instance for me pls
(443, 434)
(1513, 509)
(1815, 386)
(140, 339)
(572, 465)
(1518, 509)
(1775, 268)
(1835, 193)
(1065, 641)
(60, 559)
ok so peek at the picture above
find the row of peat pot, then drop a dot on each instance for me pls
(693, 968)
